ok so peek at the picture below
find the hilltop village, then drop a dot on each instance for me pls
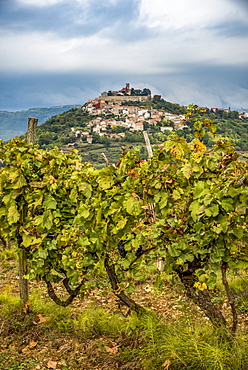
(118, 119)
(114, 109)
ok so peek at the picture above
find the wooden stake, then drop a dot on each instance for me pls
(105, 159)
(148, 144)
(23, 266)
(32, 123)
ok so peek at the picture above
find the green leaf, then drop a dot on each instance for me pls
(132, 206)
(157, 197)
(176, 195)
(27, 240)
(3, 211)
(212, 211)
(240, 265)
(120, 225)
(73, 195)
(83, 241)
(194, 208)
(83, 212)
(233, 192)
(49, 202)
(85, 188)
(47, 220)
(13, 215)
(227, 204)
(200, 190)
(164, 200)
(20, 182)
(187, 170)
(208, 199)
(173, 252)
(238, 232)
(198, 226)
(187, 257)
(42, 253)
(212, 128)
(7, 198)
(105, 183)
(136, 242)
(51, 244)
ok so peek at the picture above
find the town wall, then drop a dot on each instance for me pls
(121, 98)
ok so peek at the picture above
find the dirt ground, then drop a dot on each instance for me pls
(27, 342)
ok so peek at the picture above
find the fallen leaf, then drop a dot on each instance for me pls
(31, 345)
(41, 319)
(51, 364)
(166, 364)
(112, 350)
(26, 307)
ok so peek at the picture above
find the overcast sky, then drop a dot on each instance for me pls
(55, 52)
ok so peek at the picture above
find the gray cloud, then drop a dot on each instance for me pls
(69, 18)
(69, 50)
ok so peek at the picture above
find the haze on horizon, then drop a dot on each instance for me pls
(58, 52)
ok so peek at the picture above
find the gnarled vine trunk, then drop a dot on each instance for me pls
(201, 298)
(130, 303)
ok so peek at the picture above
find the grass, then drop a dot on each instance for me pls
(154, 342)
(179, 344)
(9, 362)
(9, 303)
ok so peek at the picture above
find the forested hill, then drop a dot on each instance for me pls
(61, 131)
(15, 123)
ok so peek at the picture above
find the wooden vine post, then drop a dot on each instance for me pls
(23, 268)
(151, 206)
(148, 144)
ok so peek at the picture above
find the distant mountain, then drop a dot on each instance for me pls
(15, 123)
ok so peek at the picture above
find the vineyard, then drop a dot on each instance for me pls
(180, 215)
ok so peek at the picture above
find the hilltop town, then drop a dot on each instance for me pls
(118, 119)
(115, 109)
(123, 109)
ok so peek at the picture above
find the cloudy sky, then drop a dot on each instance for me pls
(55, 52)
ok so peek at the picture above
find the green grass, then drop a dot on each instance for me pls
(9, 362)
(180, 344)
(9, 303)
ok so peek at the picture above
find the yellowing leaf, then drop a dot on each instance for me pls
(31, 345)
(105, 183)
(132, 206)
(41, 319)
(86, 189)
(52, 364)
(112, 350)
(166, 364)
(13, 214)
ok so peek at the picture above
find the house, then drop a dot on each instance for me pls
(180, 127)
(137, 126)
(166, 128)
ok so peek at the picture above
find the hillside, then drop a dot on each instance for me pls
(15, 123)
(93, 131)
(104, 126)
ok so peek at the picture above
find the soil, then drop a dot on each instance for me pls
(27, 342)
